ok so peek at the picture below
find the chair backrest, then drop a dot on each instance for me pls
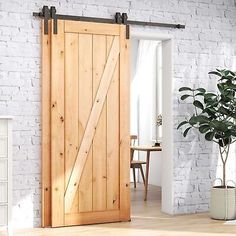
(133, 139)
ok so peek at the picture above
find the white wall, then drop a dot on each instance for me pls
(207, 42)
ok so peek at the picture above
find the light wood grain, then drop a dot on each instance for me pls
(85, 106)
(91, 28)
(113, 157)
(147, 219)
(92, 217)
(46, 127)
(99, 140)
(92, 124)
(57, 125)
(88, 146)
(124, 126)
(146, 148)
(71, 107)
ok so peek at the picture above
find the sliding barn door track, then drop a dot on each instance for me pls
(119, 18)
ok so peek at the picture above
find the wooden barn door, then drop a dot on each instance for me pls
(89, 124)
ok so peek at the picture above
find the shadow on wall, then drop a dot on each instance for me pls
(197, 164)
(195, 169)
(196, 161)
(26, 172)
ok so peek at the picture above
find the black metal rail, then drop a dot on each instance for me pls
(119, 18)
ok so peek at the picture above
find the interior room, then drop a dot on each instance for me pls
(117, 117)
(146, 110)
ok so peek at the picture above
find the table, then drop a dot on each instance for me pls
(147, 149)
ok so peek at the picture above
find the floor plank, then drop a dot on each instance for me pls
(147, 219)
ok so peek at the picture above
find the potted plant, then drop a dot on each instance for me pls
(158, 124)
(215, 117)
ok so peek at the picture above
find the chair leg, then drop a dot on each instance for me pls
(141, 169)
(134, 177)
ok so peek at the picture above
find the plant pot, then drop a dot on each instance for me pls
(223, 203)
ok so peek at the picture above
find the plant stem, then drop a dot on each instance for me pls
(224, 174)
(194, 106)
(224, 156)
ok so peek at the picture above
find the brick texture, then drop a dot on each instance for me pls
(208, 42)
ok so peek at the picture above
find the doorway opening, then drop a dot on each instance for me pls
(151, 117)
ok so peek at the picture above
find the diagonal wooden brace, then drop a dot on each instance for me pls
(91, 125)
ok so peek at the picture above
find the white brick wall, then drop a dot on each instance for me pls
(209, 41)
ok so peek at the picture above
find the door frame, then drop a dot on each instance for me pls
(167, 203)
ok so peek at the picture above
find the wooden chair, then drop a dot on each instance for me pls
(136, 164)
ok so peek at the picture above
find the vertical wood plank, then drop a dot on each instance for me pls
(124, 126)
(85, 105)
(57, 125)
(71, 107)
(46, 118)
(89, 132)
(113, 157)
(99, 141)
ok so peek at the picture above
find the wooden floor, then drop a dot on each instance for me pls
(147, 219)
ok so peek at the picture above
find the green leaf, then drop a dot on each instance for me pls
(233, 132)
(210, 111)
(193, 120)
(226, 73)
(199, 94)
(185, 89)
(186, 131)
(185, 96)
(218, 135)
(209, 136)
(219, 125)
(224, 111)
(227, 77)
(202, 119)
(225, 141)
(198, 104)
(204, 128)
(182, 123)
(202, 90)
(209, 95)
(220, 87)
(215, 73)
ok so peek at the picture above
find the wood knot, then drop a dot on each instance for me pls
(75, 184)
(62, 118)
(46, 189)
(61, 153)
(127, 185)
(114, 200)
